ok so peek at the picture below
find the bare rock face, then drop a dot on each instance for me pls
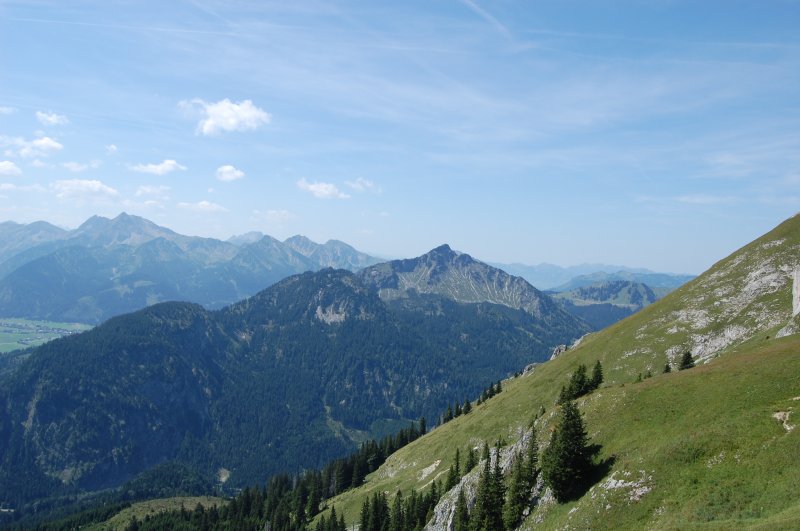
(559, 350)
(796, 293)
(445, 510)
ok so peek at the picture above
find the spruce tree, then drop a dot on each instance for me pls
(566, 463)
(667, 368)
(597, 376)
(687, 362)
(461, 517)
(467, 407)
(518, 491)
(493, 513)
(472, 460)
(396, 517)
(454, 475)
(448, 414)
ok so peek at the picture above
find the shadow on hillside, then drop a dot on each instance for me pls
(598, 471)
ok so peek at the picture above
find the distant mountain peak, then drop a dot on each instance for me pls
(460, 277)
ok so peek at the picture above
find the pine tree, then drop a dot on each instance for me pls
(566, 463)
(454, 475)
(461, 517)
(423, 426)
(687, 362)
(467, 407)
(472, 460)
(457, 410)
(667, 368)
(597, 376)
(396, 517)
(478, 517)
(517, 494)
(448, 414)
(532, 461)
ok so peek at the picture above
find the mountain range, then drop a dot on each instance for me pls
(284, 380)
(603, 303)
(552, 277)
(107, 267)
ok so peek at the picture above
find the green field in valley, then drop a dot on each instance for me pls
(18, 333)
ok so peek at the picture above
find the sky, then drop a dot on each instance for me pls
(659, 134)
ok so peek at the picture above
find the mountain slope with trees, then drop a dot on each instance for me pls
(709, 445)
(282, 381)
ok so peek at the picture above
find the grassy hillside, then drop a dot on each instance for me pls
(712, 447)
(142, 510)
(701, 447)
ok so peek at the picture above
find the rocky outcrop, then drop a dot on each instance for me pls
(444, 512)
(559, 350)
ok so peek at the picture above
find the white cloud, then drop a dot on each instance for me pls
(229, 173)
(156, 191)
(162, 168)
(9, 168)
(202, 206)
(7, 110)
(363, 185)
(82, 188)
(40, 164)
(51, 118)
(77, 167)
(705, 199)
(226, 115)
(29, 188)
(322, 190)
(40, 147)
(111, 149)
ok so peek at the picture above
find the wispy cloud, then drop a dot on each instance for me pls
(162, 168)
(226, 115)
(40, 147)
(9, 168)
(322, 190)
(7, 110)
(202, 206)
(707, 199)
(363, 185)
(485, 15)
(159, 192)
(7, 187)
(51, 118)
(229, 173)
(273, 217)
(83, 189)
(111, 149)
(77, 167)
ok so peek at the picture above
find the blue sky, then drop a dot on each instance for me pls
(660, 134)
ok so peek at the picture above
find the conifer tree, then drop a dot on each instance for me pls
(667, 368)
(454, 475)
(497, 496)
(396, 516)
(472, 460)
(597, 376)
(457, 409)
(461, 517)
(687, 362)
(467, 407)
(518, 491)
(566, 463)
